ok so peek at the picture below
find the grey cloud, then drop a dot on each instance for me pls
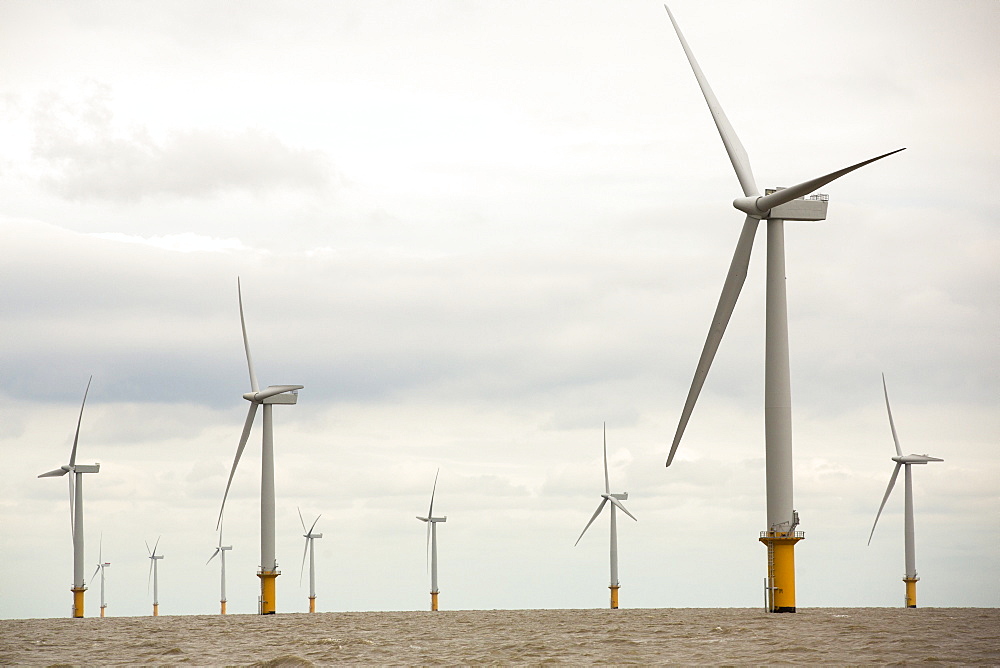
(89, 158)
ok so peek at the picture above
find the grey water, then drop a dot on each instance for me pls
(644, 636)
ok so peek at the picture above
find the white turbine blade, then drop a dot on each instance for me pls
(72, 503)
(737, 154)
(430, 511)
(95, 572)
(76, 436)
(54, 473)
(727, 302)
(301, 521)
(246, 342)
(607, 484)
(239, 453)
(217, 550)
(594, 517)
(427, 562)
(149, 578)
(147, 547)
(273, 390)
(888, 490)
(314, 524)
(892, 425)
(305, 551)
(618, 504)
(802, 189)
(156, 544)
(100, 549)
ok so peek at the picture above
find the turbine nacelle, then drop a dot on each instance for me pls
(916, 459)
(275, 394)
(433, 519)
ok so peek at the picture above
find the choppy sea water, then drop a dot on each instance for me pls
(687, 636)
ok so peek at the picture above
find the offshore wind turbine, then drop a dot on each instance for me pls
(154, 575)
(76, 472)
(101, 565)
(274, 394)
(221, 550)
(310, 537)
(910, 577)
(616, 502)
(776, 206)
(432, 543)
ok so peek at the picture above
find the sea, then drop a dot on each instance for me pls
(712, 636)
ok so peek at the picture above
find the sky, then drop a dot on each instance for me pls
(476, 232)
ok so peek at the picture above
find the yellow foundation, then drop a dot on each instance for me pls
(312, 604)
(781, 568)
(78, 601)
(267, 592)
(102, 610)
(222, 604)
(434, 601)
(156, 609)
(614, 597)
(911, 592)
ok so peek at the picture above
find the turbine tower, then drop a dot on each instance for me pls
(776, 206)
(310, 537)
(616, 502)
(221, 551)
(275, 394)
(101, 565)
(910, 578)
(432, 543)
(154, 575)
(76, 508)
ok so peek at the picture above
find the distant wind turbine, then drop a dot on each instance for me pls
(310, 537)
(616, 502)
(432, 543)
(154, 576)
(910, 578)
(275, 394)
(776, 206)
(101, 565)
(76, 508)
(221, 550)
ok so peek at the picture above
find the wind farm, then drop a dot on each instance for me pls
(470, 249)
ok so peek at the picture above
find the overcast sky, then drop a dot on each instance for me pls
(475, 232)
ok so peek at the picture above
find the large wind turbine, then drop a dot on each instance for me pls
(910, 578)
(274, 394)
(776, 206)
(154, 575)
(310, 537)
(432, 543)
(221, 550)
(76, 508)
(616, 502)
(101, 565)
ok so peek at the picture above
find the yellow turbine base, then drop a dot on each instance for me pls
(267, 592)
(911, 592)
(156, 609)
(312, 604)
(78, 601)
(102, 610)
(614, 597)
(783, 584)
(222, 605)
(434, 601)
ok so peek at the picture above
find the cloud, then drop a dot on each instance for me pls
(90, 158)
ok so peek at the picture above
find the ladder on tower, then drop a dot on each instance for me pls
(769, 581)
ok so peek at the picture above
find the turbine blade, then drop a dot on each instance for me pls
(618, 504)
(301, 521)
(147, 546)
(314, 524)
(892, 425)
(95, 572)
(802, 189)
(427, 562)
(239, 453)
(305, 551)
(76, 436)
(607, 483)
(246, 342)
(54, 473)
(156, 544)
(72, 504)
(100, 549)
(430, 511)
(727, 302)
(888, 490)
(594, 517)
(217, 550)
(737, 154)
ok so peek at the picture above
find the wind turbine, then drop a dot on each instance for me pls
(221, 551)
(776, 206)
(616, 502)
(76, 508)
(101, 565)
(432, 543)
(274, 394)
(910, 578)
(154, 575)
(310, 537)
